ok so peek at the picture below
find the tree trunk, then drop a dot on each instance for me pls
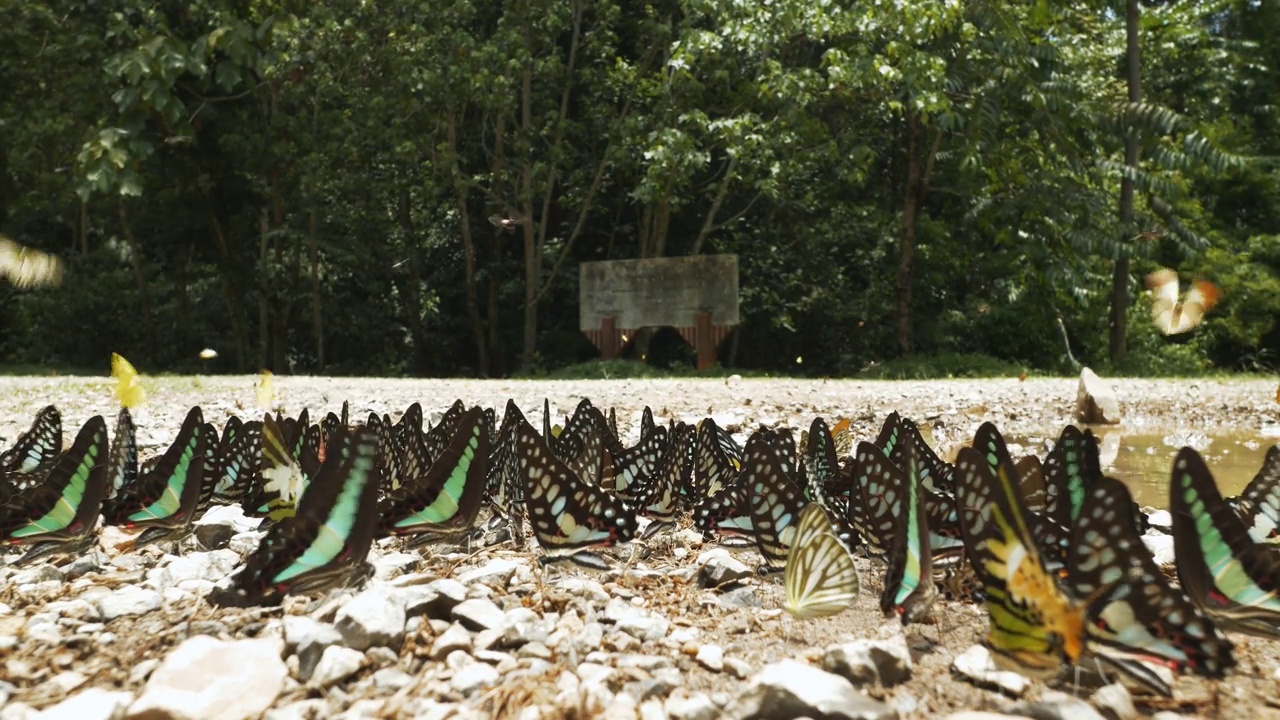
(414, 319)
(907, 239)
(532, 261)
(228, 296)
(264, 308)
(317, 314)
(144, 296)
(1120, 273)
(468, 240)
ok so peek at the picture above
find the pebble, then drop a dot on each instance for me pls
(394, 564)
(1115, 702)
(887, 662)
(92, 704)
(710, 657)
(719, 568)
(301, 710)
(478, 614)
(522, 625)
(308, 638)
(210, 679)
(976, 665)
(794, 689)
(473, 677)
(456, 637)
(1161, 547)
(128, 600)
(435, 598)
(496, 572)
(696, 706)
(336, 664)
(1055, 705)
(636, 622)
(374, 617)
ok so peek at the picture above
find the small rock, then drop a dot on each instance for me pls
(92, 704)
(495, 572)
(976, 665)
(696, 706)
(128, 600)
(636, 622)
(308, 638)
(64, 682)
(478, 614)
(585, 588)
(435, 599)
(710, 657)
(793, 689)
(374, 617)
(1096, 400)
(651, 709)
(301, 710)
(522, 625)
(17, 711)
(214, 535)
(208, 679)
(1161, 547)
(1054, 705)
(980, 715)
(474, 677)
(719, 568)
(393, 565)
(887, 662)
(1160, 520)
(737, 598)
(37, 574)
(739, 669)
(455, 638)
(391, 679)
(336, 664)
(1115, 702)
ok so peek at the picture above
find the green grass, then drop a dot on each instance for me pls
(949, 365)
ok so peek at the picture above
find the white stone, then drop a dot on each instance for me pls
(886, 662)
(129, 600)
(479, 614)
(393, 565)
(710, 657)
(208, 679)
(92, 704)
(374, 617)
(1115, 702)
(456, 637)
(1096, 400)
(1161, 547)
(636, 622)
(474, 677)
(976, 664)
(696, 706)
(495, 572)
(794, 689)
(336, 664)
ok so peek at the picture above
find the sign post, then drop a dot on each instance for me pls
(697, 295)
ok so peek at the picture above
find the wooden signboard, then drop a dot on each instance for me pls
(697, 295)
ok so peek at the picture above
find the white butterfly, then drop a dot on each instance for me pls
(820, 578)
(1172, 317)
(26, 267)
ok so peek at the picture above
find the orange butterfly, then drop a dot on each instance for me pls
(1172, 317)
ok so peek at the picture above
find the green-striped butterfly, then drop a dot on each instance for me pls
(326, 542)
(1233, 579)
(163, 500)
(820, 578)
(58, 515)
(1259, 505)
(444, 501)
(908, 581)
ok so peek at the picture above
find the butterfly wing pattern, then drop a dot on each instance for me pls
(820, 578)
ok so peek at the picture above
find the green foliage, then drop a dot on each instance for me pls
(947, 365)
(308, 187)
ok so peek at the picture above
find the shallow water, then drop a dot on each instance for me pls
(1144, 460)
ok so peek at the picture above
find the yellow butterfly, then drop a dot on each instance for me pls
(26, 267)
(1172, 317)
(265, 390)
(128, 385)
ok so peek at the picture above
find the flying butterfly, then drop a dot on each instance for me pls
(264, 391)
(27, 268)
(1173, 317)
(820, 577)
(128, 389)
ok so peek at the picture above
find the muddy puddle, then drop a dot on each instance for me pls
(1143, 460)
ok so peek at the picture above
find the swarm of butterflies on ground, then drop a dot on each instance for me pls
(1053, 549)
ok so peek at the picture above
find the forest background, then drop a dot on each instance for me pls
(931, 187)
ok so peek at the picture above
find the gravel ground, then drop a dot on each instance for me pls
(104, 622)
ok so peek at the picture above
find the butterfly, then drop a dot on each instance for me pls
(568, 515)
(287, 469)
(502, 223)
(1260, 509)
(446, 499)
(820, 577)
(662, 487)
(163, 500)
(26, 267)
(122, 462)
(1034, 626)
(36, 448)
(774, 501)
(1172, 317)
(58, 516)
(264, 391)
(1144, 618)
(325, 543)
(909, 590)
(129, 389)
(1232, 578)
